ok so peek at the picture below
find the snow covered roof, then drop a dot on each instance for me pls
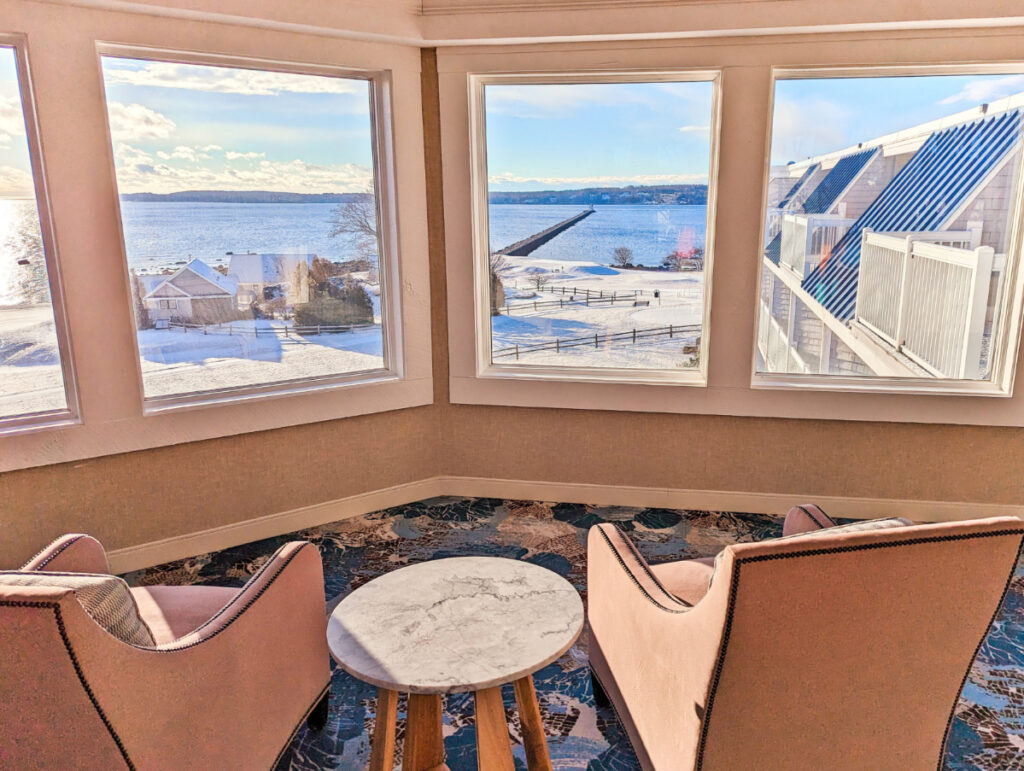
(181, 283)
(266, 268)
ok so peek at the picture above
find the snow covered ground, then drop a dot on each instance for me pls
(680, 303)
(177, 362)
(30, 373)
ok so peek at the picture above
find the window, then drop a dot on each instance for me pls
(890, 241)
(593, 236)
(250, 208)
(34, 370)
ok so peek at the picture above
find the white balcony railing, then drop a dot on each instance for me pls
(926, 294)
(772, 224)
(807, 238)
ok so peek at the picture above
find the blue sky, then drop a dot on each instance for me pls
(562, 136)
(814, 116)
(191, 127)
(567, 136)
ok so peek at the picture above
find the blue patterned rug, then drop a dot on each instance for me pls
(988, 732)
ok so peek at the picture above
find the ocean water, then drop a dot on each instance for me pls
(651, 232)
(166, 235)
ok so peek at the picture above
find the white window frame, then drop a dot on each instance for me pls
(18, 44)
(114, 418)
(379, 86)
(1008, 329)
(485, 366)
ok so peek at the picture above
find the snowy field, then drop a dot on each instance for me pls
(30, 374)
(680, 304)
(177, 362)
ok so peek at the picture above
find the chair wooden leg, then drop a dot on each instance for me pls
(536, 746)
(382, 746)
(424, 744)
(493, 751)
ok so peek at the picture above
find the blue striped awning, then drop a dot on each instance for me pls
(799, 183)
(774, 249)
(943, 174)
(836, 181)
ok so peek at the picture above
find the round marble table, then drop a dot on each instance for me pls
(450, 626)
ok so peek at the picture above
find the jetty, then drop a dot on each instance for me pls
(537, 240)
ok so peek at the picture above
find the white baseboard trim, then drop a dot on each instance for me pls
(178, 547)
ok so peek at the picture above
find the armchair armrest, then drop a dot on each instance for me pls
(219, 696)
(71, 553)
(295, 556)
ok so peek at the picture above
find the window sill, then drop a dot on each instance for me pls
(39, 444)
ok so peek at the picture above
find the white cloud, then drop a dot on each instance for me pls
(805, 128)
(129, 156)
(182, 152)
(694, 129)
(227, 80)
(291, 176)
(554, 99)
(508, 178)
(986, 90)
(15, 183)
(232, 155)
(137, 122)
(12, 122)
(209, 148)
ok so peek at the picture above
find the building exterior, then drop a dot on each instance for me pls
(284, 275)
(887, 259)
(196, 293)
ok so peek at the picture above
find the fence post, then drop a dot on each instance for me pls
(669, 331)
(257, 328)
(557, 348)
(977, 305)
(901, 310)
(517, 351)
(634, 337)
(595, 339)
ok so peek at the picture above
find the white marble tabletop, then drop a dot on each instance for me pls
(454, 625)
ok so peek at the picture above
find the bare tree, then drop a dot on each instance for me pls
(357, 220)
(142, 317)
(622, 257)
(539, 280)
(498, 265)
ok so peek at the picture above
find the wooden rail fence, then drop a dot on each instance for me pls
(246, 331)
(630, 336)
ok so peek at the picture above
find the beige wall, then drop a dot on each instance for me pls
(144, 496)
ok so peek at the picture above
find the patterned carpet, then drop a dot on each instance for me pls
(987, 734)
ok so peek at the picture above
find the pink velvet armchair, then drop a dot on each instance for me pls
(224, 679)
(834, 648)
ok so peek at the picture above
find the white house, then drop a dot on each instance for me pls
(195, 293)
(253, 273)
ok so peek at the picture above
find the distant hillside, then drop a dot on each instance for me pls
(243, 196)
(634, 194)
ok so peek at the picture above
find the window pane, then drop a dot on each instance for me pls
(597, 223)
(250, 227)
(31, 377)
(891, 202)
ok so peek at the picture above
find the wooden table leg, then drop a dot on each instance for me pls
(537, 757)
(382, 747)
(424, 743)
(493, 750)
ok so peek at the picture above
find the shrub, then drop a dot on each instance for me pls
(346, 306)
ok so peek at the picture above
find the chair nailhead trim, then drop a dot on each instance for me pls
(720, 663)
(55, 607)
